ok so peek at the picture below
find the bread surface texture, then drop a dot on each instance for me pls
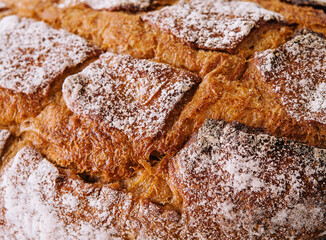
(162, 119)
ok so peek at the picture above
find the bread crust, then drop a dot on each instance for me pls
(34, 60)
(162, 120)
(73, 207)
(227, 196)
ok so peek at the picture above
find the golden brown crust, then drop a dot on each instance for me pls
(219, 96)
(227, 94)
(122, 109)
(114, 127)
(83, 144)
(18, 107)
(127, 33)
(305, 17)
(314, 3)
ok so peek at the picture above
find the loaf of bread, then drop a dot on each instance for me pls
(162, 119)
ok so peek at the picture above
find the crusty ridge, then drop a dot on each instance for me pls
(314, 3)
(281, 90)
(224, 93)
(4, 135)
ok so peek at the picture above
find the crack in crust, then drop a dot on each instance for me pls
(4, 135)
(121, 109)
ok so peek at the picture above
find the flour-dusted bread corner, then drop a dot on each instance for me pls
(34, 58)
(162, 119)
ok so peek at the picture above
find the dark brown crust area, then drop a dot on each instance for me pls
(238, 183)
(314, 3)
